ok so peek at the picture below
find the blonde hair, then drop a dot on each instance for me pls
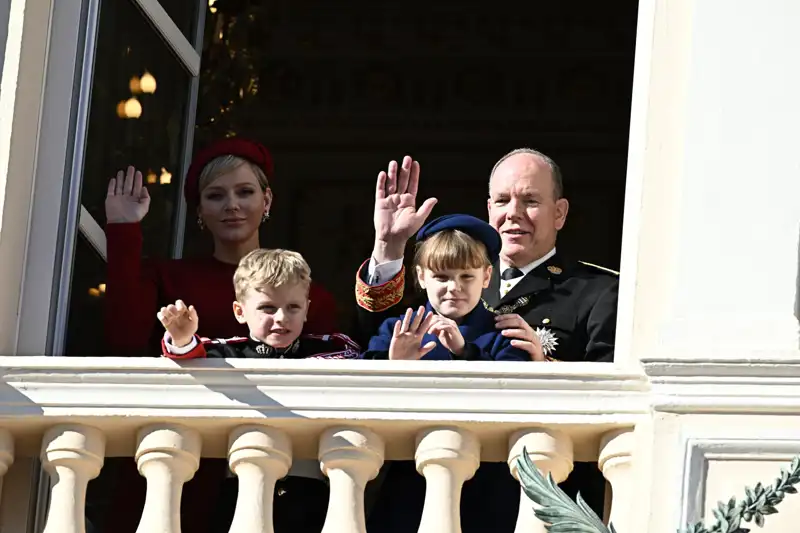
(451, 249)
(270, 268)
(225, 164)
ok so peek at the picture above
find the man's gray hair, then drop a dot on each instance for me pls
(555, 172)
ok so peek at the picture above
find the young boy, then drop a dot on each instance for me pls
(453, 264)
(272, 299)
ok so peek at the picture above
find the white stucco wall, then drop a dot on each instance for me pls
(718, 214)
(737, 265)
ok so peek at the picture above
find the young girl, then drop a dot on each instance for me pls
(453, 264)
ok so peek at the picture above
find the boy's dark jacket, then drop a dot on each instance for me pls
(483, 342)
(333, 346)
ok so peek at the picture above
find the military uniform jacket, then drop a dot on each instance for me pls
(571, 305)
(334, 346)
(482, 342)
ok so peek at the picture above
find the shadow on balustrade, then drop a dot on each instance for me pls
(15, 400)
(208, 499)
(395, 499)
(219, 376)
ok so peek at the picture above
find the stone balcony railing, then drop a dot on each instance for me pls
(350, 415)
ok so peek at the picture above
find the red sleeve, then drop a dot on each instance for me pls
(131, 292)
(322, 316)
(198, 352)
(379, 298)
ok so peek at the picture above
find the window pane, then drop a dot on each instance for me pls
(184, 14)
(85, 323)
(130, 124)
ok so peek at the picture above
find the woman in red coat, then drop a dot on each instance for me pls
(228, 185)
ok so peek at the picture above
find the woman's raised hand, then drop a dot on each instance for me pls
(127, 199)
(396, 216)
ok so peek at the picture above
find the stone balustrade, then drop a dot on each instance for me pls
(350, 416)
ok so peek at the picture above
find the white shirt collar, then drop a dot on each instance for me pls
(530, 266)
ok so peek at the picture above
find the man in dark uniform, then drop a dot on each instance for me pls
(555, 308)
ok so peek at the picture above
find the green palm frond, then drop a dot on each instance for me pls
(557, 510)
(562, 515)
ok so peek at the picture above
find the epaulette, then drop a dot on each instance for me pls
(598, 267)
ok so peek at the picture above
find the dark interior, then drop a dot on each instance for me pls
(336, 90)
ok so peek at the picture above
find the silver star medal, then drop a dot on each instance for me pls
(547, 339)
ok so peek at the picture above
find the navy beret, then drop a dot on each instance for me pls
(474, 227)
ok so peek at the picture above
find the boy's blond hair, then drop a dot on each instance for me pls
(270, 268)
(449, 250)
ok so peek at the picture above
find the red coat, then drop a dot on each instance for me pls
(136, 290)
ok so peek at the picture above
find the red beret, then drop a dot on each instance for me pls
(253, 151)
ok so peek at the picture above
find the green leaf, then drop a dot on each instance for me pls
(733, 523)
(559, 513)
(759, 502)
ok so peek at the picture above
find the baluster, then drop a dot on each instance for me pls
(259, 456)
(350, 457)
(551, 452)
(616, 461)
(446, 457)
(72, 455)
(167, 456)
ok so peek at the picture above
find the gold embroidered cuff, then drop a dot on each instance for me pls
(380, 297)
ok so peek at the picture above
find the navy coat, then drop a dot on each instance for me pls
(482, 341)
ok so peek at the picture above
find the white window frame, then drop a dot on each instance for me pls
(57, 216)
(75, 214)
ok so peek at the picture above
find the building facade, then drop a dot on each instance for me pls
(701, 400)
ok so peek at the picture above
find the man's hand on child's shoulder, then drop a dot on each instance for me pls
(180, 322)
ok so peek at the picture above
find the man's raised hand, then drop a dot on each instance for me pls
(396, 216)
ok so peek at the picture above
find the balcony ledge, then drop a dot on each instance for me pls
(304, 396)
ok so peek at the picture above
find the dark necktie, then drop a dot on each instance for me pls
(511, 273)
